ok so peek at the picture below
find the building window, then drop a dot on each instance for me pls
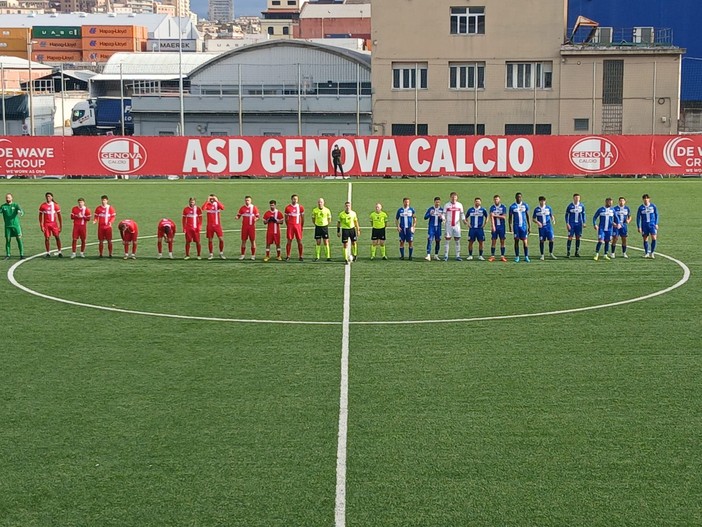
(292, 2)
(527, 129)
(529, 75)
(286, 30)
(270, 30)
(466, 129)
(408, 129)
(466, 76)
(404, 76)
(467, 20)
(275, 2)
(581, 125)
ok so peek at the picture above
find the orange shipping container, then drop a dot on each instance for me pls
(12, 44)
(18, 54)
(15, 33)
(111, 31)
(58, 44)
(111, 44)
(56, 56)
(97, 56)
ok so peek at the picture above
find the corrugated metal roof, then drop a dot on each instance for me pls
(336, 11)
(82, 75)
(16, 63)
(161, 66)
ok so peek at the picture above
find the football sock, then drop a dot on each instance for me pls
(598, 247)
(7, 246)
(210, 245)
(373, 247)
(288, 246)
(526, 252)
(458, 248)
(46, 244)
(354, 250)
(170, 246)
(327, 249)
(73, 245)
(541, 248)
(436, 246)
(402, 252)
(516, 248)
(253, 250)
(382, 251)
(109, 247)
(623, 249)
(268, 252)
(569, 244)
(221, 246)
(317, 250)
(606, 244)
(577, 245)
(653, 246)
(159, 246)
(480, 252)
(492, 250)
(411, 250)
(645, 246)
(550, 247)
(299, 250)
(502, 250)
(20, 246)
(429, 246)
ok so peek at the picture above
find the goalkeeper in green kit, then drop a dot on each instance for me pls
(11, 212)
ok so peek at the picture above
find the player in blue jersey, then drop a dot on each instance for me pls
(498, 217)
(406, 222)
(545, 220)
(604, 221)
(574, 220)
(623, 214)
(435, 215)
(475, 219)
(519, 225)
(647, 225)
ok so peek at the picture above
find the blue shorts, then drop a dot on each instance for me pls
(576, 229)
(546, 233)
(475, 233)
(434, 233)
(520, 233)
(648, 229)
(406, 235)
(499, 232)
(622, 231)
(604, 235)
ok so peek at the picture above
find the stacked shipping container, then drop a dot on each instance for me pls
(63, 44)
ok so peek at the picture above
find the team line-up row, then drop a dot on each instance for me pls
(444, 221)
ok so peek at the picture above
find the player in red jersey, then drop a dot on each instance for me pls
(273, 219)
(104, 216)
(80, 214)
(295, 221)
(51, 223)
(129, 231)
(250, 215)
(192, 223)
(166, 231)
(213, 208)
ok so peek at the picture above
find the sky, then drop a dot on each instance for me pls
(241, 7)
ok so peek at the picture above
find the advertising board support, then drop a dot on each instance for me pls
(2, 81)
(30, 42)
(63, 104)
(121, 98)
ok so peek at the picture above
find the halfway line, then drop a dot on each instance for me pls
(340, 508)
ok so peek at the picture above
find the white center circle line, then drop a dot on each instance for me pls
(686, 276)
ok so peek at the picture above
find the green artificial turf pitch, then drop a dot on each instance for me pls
(585, 418)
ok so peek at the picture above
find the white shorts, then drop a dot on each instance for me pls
(453, 231)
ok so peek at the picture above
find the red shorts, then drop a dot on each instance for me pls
(162, 234)
(104, 233)
(248, 232)
(273, 238)
(214, 229)
(79, 232)
(192, 235)
(294, 232)
(129, 236)
(50, 229)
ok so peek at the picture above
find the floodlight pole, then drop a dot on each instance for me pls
(31, 88)
(180, 75)
(63, 104)
(2, 80)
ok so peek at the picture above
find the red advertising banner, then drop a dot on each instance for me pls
(361, 156)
